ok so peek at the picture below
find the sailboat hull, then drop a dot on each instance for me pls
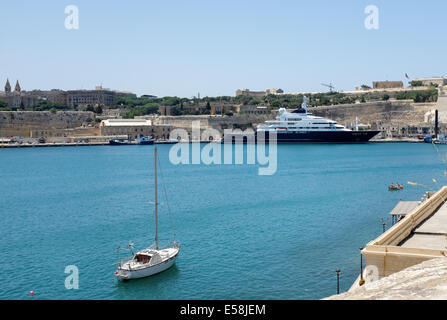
(125, 274)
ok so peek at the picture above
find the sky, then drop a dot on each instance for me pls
(182, 48)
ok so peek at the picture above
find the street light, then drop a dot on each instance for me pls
(362, 281)
(384, 222)
(338, 280)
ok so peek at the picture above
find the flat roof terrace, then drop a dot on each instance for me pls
(431, 234)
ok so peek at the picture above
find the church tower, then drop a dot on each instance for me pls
(17, 88)
(7, 86)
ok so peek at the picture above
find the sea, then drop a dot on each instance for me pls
(64, 211)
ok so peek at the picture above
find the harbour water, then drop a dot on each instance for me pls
(243, 236)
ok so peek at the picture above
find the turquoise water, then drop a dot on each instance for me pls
(243, 236)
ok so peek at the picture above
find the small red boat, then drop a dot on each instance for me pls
(392, 187)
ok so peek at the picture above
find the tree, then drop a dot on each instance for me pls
(385, 97)
(255, 101)
(98, 110)
(415, 83)
(3, 103)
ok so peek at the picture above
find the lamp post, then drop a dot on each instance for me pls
(383, 224)
(362, 281)
(338, 280)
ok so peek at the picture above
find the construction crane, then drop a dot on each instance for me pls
(330, 86)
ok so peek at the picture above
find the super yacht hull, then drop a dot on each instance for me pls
(146, 143)
(308, 137)
(118, 143)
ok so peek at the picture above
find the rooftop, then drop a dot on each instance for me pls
(431, 234)
(404, 207)
(432, 78)
(126, 122)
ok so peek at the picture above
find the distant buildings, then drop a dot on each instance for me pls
(84, 98)
(274, 91)
(72, 98)
(258, 94)
(248, 93)
(387, 84)
(134, 128)
(440, 81)
(256, 110)
(165, 110)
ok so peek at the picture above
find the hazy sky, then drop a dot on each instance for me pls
(215, 47)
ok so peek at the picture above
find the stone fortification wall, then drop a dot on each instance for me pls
(404, 111)
(21, 123)
(377, 114)
(217, 122)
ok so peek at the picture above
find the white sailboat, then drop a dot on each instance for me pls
(151, 260)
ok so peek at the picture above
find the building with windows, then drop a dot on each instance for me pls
(275, 91)
(387, 84)
(94, 98)
(251, 109)
(258, 94)
(29, 99)
(439, 81)
(133, 128)
(248, 93)
(73, 98)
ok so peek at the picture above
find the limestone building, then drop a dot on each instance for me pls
(275, 91)
(440, 81)
(12, 98)
(247, 92)
(387, 84)
(133, 128)
(251, 109)
(84, 98)
(72, 98)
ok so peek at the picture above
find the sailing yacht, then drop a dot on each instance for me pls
(151, 260)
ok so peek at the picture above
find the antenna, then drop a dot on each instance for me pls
(156, 200)
(330, 86)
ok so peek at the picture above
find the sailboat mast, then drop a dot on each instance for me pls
(156, 200)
